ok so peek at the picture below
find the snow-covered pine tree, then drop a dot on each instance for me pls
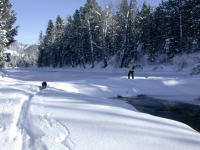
(59, 29)
(68, 38)
(160, 28)
(125, 31)
(92, 16)
(40, 49)
(75, 37)
(172, 12)
(122, 31)
(95, 35)
(79, 37)
(7, 31)
(64, 43)
(107, 32)
(41, 37)
(190, 25)
(144, 27)
(111, 29)
(46, 48)
(132, 43)
(196, 23)
(3, 38)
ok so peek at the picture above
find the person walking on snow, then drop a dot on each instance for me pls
(131, 70)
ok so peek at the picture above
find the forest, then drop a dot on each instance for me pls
(123, 34)
(113, 35)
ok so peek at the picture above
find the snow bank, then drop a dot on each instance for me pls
(76, 111)
(185, 64)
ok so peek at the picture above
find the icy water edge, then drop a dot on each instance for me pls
(179, 111)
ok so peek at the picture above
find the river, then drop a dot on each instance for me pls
(182, 112)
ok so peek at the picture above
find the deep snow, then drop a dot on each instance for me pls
(76, 111)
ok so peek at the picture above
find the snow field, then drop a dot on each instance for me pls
(76, 112)
(13, 95)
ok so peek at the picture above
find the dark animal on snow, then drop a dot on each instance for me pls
(44, 85)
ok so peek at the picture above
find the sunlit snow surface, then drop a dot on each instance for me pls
(76, 111)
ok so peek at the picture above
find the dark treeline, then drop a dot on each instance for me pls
(94, 35)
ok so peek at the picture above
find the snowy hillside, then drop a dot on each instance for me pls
(21, 55)
(181, 64)
(76, 112)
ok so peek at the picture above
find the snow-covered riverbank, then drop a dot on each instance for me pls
(75, 112)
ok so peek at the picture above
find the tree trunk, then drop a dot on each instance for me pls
(91, 44)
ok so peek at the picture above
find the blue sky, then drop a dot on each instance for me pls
(33, 15)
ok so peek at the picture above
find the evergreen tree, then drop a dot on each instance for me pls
(122, 31)
(132, 43)
(79, 37)
(7, 19)
(125, 31)
(144, 26)
(92, 17)
(48, 40)
(92, 35)
(59, 29)
(108, 32)
(40, 49)
(50, 34)
(111, 31)
(68, 35)
(160, 30)
(195, 14)
(41, 37)
(190, 24)
(7, 31)
(174, 22)
(196, 23)
(46, 49)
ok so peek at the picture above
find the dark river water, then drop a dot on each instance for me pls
(182, 112)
